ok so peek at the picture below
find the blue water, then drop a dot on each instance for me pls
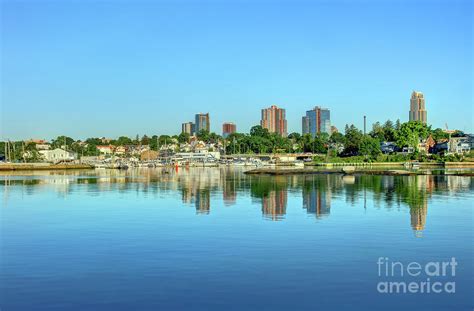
(215, 239)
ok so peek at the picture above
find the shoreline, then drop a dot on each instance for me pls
(380, 168)
(42, 166)
(387, 172)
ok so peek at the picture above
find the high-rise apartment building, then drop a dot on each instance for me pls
(202, 122)
(417, 107)
(317, 120)
(228, 128)
(274, 119)
(188, 128)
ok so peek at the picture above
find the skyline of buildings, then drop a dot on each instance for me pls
(274, 120)
(417, 107)
(316, 120)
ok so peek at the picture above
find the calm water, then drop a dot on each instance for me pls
(215, 239)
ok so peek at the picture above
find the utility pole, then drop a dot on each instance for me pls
(14, 151)
(23, 146)
(365, 119)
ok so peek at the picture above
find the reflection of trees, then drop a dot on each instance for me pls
(197, 185)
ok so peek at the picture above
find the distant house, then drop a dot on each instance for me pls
(457, 145)
(44, 146)
(58, 155)
(470, 140)
(185, 147)
(105, 149)
(388, 147)
(408, 150)
(121, 150)
(36, 141)
(105, 140)
(426, 145)
(136, 150)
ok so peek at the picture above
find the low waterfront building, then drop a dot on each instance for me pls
(58, 155)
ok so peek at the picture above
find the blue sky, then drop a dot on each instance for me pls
(110, 68)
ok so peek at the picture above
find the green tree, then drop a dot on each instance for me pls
(214, 138)
(203, 135)
(60, 141)
(164, 140)
(257, 130)
(410, 134)
(145, 140)
(122, 141)
(320, 143)
(307, 143)
(377, 131)
(389, 131)
(337, 138)
(439, 134)
(353, 137)
(154, 142)
(398, 125)
(296, 139)
(369, 147)
(183, 138)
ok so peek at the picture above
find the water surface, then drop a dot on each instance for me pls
(216, 239)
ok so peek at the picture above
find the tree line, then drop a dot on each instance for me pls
(353, 142)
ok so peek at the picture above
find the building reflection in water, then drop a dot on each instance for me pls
(418, 202)
(317, 196)
(274, 204)
(197, 185)
(418, 219)
(203, 201)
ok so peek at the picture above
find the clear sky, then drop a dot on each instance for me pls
(110, 68)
